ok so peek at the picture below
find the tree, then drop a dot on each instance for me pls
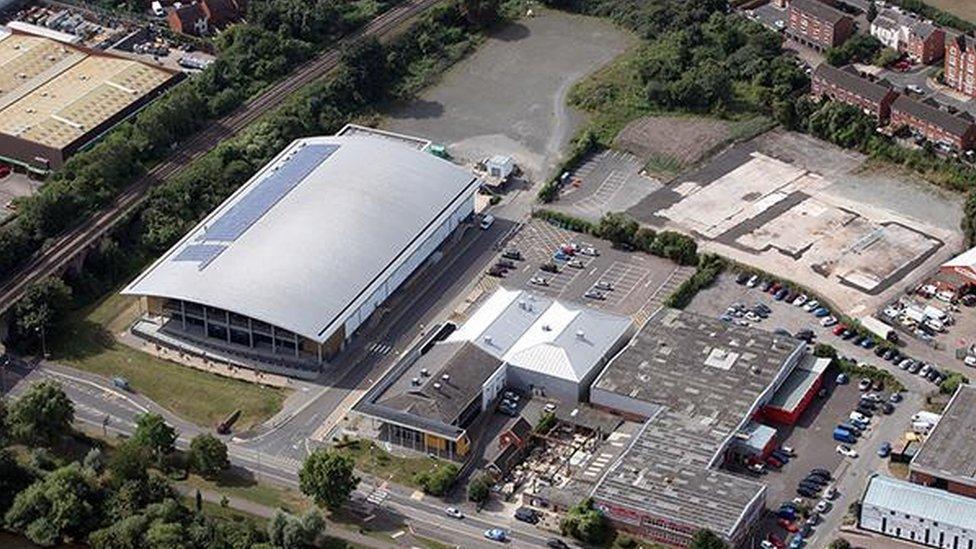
(644, 239)
(952, 382)
(586, 523)
(969, 218)
(480, 487)
(438, 481)
(677, 247)
(153, 434)
(43, 304)
(706, 539)
(288, 531)
(13, 479)
(328, 478)
(872, 11)
(480, 12)
(840, 543)
(617, 227)
(63, 505)
(42, 415)
(130, 461)
(3, 422)
(886, 57)
(208, 455)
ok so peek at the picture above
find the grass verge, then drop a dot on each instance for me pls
(86, 341)
(238, 484)
(376, 461)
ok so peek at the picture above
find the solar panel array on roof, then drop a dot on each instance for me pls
(200, 253)
(249, 209)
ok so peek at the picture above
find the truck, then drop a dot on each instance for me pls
(879, 329)
(927, 417)
(843, 435)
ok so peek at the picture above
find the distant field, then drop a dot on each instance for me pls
(963, 8)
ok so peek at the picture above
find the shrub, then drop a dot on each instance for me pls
(708, 268)
(438, 481)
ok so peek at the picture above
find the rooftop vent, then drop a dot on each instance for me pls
(546, 328)
(488, 339)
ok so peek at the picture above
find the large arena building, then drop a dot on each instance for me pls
(55, 98)
(292, 264)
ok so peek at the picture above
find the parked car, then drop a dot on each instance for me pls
(846, 451)
(550, 267)
(539, 281)
(4, 171)
(828, 322)
(864, 384)
(505, 264)
(526, 514)
(496, 271)
(575, 263)
(842, 379)
(787, 525)
(595, 294)
(895, 397)
(753, 280)
(821, 312)
(811, 305)
(885, 449)
(604, 285)
(800, 300)
(556, 543)
(742, 278)
(830, 492)
(805, 334)
(821, 473)
(512, 253)
(773, 462)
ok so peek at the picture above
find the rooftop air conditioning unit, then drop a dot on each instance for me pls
(437, 385)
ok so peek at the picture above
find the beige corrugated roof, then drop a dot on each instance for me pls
(53, 94)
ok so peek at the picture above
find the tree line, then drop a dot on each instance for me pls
(120, 497)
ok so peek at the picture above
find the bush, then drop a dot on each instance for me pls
(680, 248)
(708, 268)
(566, 221)
(438, 481)
(952, 382)
(479, 489)
(587, 524)
(546, 422)
(860, 48)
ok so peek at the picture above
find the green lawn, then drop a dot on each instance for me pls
(233, 484)
(86, 341)
(372, 459)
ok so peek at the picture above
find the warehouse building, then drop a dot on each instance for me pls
(946, 459)
(919, 514)
(699, 383)
(286, 270)
(515, 340)
(56, 98)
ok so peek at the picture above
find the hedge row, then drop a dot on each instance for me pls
(709, 267)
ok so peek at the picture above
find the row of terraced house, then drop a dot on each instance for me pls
(877, 98)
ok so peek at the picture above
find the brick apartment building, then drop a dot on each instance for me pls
(815, 24)
(960, 64)
(846, 86)
(922, 41)
(933, 123)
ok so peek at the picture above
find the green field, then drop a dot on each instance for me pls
(86, 342)
(961, 8)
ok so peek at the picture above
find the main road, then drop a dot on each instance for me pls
(52, 259)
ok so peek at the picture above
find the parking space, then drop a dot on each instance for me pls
(627, 283)
(606, 182)
(15, 185)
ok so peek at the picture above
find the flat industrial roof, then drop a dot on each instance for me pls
(54, 94)
(314, 234)
(917, 501)
(698, 365)
(705, 379)
(949, 452)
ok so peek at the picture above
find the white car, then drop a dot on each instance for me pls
(846, 451)
(752, 317)
(766, 544)
(539, 281)
(590, 251)
(859, 417)
(970, 360)
(800, 299)
(789, 450)
(915, 88)
(830, 492)
(454, 512)
(828, 321)
(822, 506)
(811, 305)
(751, 283)
(864, 384)
(487, 221)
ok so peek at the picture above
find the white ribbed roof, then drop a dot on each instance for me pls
(314, 234)
(542, 335)
(919, 501)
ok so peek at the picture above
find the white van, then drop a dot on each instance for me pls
(487, 221)
(921, 427)
(157, 9)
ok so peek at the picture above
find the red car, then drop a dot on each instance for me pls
(777, 541)
(902, 65)
(839, 329)
(773, 462)
(4, 170)
(787, 525)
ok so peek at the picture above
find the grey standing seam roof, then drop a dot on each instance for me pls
(330, 218)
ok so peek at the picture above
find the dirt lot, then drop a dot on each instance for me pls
(962, 8)
(813, 213)
(509, 97)
(677, 139)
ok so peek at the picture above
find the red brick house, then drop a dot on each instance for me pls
(926, 42)
(815, 24)
(199, 18)
(933, 123)
(846, 86)
(960, 64)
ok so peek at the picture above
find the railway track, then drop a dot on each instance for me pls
(69, 245)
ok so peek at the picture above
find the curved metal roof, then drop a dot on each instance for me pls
(313, 235)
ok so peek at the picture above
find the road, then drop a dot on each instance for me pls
(52, 259)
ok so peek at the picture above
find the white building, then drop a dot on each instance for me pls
(293, 263)
(927, 516)
(891, 28)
